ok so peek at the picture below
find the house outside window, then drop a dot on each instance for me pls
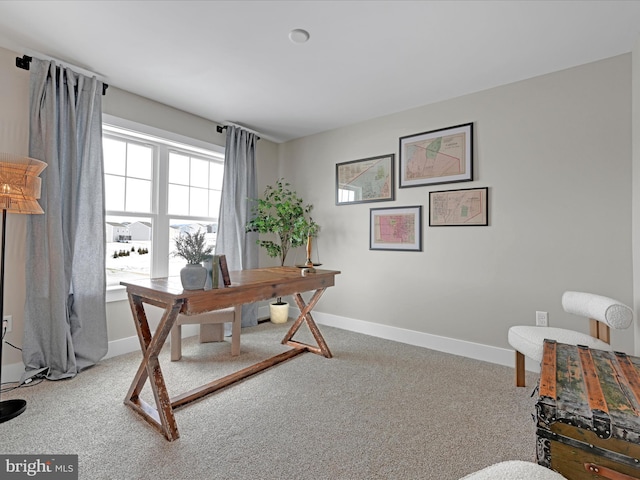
(158, 185)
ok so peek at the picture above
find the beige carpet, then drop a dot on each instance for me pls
(377, 410)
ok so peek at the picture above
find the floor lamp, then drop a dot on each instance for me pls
(19, 191)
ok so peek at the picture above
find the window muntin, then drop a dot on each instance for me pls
(195, 185)
(128, 174)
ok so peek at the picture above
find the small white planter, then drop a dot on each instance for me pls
(279, 313)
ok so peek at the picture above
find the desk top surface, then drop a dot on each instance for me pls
(246, 286)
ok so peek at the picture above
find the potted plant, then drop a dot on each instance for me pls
(194, 249)
(282, 213)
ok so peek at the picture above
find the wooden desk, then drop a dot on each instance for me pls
(247, 286)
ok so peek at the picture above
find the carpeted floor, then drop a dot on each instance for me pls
(377, 410)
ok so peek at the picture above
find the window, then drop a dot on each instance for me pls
(157, 185)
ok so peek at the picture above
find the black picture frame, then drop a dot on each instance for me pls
(396, 228)
(365, 180)
(438, 156)
(465, 207)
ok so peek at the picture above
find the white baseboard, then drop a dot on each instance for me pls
(132, 344)
(477, 351)
(13, 372)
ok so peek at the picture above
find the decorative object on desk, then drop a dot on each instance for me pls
(309, 263)
(193, 276)
(212, 264)
(281, 212)
(438, 156)
(19, 191)
(217, 272)
(193, 248)
(224, 271)
(367, 180)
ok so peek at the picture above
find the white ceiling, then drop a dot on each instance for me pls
(233, 61)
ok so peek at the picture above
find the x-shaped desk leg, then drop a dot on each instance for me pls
(161, 418)
(305, 314)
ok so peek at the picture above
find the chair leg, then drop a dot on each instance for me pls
(235, 331)
(599, 330)
(519, 369)
(176, 343)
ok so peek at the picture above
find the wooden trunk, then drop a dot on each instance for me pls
(588, 413)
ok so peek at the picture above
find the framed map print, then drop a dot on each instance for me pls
(465, 207)
(366, 180)
(438, 156)
(396, 228)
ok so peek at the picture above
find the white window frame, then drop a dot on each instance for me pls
(166, 141)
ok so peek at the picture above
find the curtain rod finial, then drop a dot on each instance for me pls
(24, 62)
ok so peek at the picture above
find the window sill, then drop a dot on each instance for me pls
(116, 293)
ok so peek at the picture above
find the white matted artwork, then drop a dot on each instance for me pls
(464, 207)
(396, 228)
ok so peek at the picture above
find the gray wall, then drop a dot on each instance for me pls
(14, 138)
(555, 152)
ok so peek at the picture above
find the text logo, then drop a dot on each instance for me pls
(50, 467)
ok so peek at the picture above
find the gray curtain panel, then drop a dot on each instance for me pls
(238, 186)
(65, 317)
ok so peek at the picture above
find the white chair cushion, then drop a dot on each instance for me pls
(604, 309)
(515, 470)
(529, 340)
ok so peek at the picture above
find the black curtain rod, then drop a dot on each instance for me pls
(25, 64)
(220, 128)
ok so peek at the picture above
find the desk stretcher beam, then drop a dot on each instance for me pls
(197, 393)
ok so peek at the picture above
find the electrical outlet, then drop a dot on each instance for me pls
(542, 319)
(7, 321)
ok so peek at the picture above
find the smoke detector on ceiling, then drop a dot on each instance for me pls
(299, 35)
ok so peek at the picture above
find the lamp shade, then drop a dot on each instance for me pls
(20, 183)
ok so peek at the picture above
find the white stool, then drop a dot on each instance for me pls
(211, 329)
(603, 312)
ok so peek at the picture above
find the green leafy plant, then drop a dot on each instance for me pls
(281, 212)
(192, 247)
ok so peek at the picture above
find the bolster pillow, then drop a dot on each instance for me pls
(603, 309)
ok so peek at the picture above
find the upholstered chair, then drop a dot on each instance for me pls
(602, 312)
